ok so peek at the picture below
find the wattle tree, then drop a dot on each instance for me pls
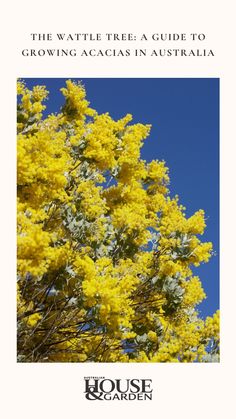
(105, 255)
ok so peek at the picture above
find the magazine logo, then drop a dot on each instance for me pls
(101, 388)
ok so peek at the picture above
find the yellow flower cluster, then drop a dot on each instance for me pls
(92, 204)
(152, 336)
(30, 106)
(212, 325)
(42, 161)
(109, 289)
(36, 251)
(76, 106)
(194, 293)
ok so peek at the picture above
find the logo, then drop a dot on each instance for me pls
(101, 388)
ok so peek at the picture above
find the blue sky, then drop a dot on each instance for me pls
(184, 114)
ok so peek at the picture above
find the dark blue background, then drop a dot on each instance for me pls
(184, 114)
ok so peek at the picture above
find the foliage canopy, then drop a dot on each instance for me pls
(104, 252)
